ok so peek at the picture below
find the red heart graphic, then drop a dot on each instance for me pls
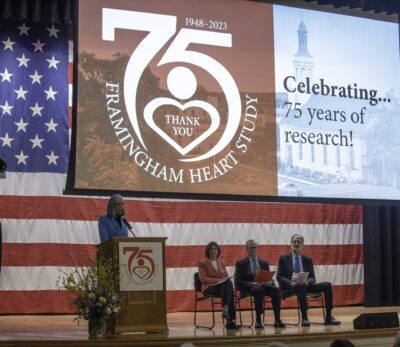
(141, 271)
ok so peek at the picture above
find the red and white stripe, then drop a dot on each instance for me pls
(44, 235)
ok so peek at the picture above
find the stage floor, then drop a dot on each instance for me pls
(62, 330)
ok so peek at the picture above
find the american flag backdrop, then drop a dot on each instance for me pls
(34, 98)
(45, 231)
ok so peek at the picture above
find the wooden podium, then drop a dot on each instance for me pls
(142, 284)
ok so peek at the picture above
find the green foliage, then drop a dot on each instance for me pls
(94, 289)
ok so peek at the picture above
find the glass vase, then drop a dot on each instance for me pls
(96, 326)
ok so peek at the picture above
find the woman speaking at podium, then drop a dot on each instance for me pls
(113, 224)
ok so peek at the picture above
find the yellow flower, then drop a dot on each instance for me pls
(102, 276)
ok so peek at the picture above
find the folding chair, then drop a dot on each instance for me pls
(200, 297)
(311, 297)
(240, 297)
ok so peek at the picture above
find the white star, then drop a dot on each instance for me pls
(21, 158)
(50, 93)
(6, 140)
(53, 62)
(8, 44)
(23, 61)
(21, 93)
(52, 158)
(51, 126)
(38, 45)
(36, 142)
(53, 31)
(5, 76)
(36, 110)
(6, 108)
(21, 125)
(36, 77)
(23, 29)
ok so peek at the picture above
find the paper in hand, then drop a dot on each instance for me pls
(303, 276)
(263, 276)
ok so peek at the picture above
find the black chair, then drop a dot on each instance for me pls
(311, 297)
(246, 296)
(215, 301)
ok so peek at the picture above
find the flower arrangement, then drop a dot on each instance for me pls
(94, 289)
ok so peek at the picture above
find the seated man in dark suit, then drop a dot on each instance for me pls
(290, 265)
(245, 273)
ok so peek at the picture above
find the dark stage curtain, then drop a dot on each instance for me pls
(381, 226)
(46, 11)
(1, 247)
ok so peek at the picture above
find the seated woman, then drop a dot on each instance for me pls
(212, 272)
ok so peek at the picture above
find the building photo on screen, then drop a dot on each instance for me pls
(337, 105)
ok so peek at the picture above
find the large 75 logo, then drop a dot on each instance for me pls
(140, 263)
(160, 29)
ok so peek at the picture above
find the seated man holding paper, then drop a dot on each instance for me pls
(215, 281)
(247, 272)
(296, 276)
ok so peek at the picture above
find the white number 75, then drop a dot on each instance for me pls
(161, 28)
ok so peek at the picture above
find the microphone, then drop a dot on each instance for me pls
(3, 167)
(130, 228)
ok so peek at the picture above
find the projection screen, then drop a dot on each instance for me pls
(236, 97)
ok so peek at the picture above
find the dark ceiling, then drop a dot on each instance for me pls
(60, 11)
(387, 10)
(376, 6)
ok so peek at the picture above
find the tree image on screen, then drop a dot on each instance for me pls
(176, 113)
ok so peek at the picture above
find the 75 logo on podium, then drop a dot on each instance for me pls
(141, 266)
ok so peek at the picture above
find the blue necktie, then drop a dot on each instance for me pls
(296, 267)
